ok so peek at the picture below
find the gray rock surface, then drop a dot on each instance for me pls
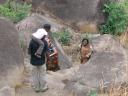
(55, 80)
(107, 65)
(11, 55)
(84, 15)
(73, 10)
(7, 91)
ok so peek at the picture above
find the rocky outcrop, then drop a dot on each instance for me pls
(73, 10)
(11, 55)
(31, 24)
(82, 14)
(86, 15)
(107, 65)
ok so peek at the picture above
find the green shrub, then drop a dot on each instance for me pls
(14, 11)
(64, 37)
(117, 18)
(93, 93)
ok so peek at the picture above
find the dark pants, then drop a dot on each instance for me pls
(41, 45)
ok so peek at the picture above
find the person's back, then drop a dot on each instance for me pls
(39, 66)
(34, 60)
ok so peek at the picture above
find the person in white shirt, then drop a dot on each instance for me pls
(38, 35)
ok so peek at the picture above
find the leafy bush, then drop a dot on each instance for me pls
(93, 93)
(64, 37)
(117, 18)
(14, 11)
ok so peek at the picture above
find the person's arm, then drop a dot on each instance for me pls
(55, 52)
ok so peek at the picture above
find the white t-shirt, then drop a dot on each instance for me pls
(40, 33)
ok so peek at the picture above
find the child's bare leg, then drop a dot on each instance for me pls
(41, 46)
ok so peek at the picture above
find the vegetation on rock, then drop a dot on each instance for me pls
(117, 18)
(64, 37)
(14, 10)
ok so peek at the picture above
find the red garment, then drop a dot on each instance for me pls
(52, 62)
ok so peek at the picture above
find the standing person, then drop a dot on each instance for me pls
(38, 35)
(39, 64)
(52, 60)
(85, 51)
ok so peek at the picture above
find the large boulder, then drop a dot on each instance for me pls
(73, 10)
(107, 66)
(84, 14)
(31, 24)
(11, 55)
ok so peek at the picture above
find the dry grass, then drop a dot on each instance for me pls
(124, 39)
(88, 27)
(120, 90)
(73, 52)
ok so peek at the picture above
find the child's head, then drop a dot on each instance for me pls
(85, 42)
(47, 27)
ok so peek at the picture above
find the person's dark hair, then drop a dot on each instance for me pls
(47, 26)
(85, 39)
